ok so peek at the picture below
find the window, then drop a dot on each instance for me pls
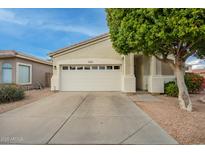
(65, 67)
(72, 67)
(116, 67)
(79, 67)
(87, 68)
(7, 73)
(94, 67)
(24, 73)
(109, 67)
(101, 67)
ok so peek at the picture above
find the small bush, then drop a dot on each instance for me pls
(10, 93)
(193, 82)
(171, 89)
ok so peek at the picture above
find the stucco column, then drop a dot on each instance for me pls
(131, 64)
(156, 80)
(55, 80)
(128, 78)
(58, 77)
(159, 68)
(125, 71)
(153, 66)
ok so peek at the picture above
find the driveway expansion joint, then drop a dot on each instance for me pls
(68, 118)
(139, 129)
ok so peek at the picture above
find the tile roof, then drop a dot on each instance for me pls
(13, 53)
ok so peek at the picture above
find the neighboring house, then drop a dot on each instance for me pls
(94, 65)
(21, 69)
(198, 71)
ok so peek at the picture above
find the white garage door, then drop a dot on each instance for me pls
(91, 78)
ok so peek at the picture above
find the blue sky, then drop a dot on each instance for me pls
(39, 31)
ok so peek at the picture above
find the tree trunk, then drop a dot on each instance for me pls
(183, 97)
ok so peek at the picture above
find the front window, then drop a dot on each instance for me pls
(7, 73)
(24, 74)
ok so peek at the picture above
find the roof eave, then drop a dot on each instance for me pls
(15, 54)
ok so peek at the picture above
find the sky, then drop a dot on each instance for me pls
(40, 31)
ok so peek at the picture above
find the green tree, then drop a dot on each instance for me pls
(171, 35)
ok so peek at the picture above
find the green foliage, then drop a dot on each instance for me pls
(158, 31)
(10, 93)
(171, 89)
(193, 82)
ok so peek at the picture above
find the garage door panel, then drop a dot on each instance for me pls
(90, 80)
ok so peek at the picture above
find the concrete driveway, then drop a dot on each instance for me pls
(81, 118)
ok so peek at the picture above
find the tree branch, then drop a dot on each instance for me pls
(184, 55)
(192, 44)
(178, 49)
(169, 61)
(189, 54)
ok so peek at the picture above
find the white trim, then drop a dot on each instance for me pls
(90, 66)
(90, 80)
(89, 61)
(17, 73)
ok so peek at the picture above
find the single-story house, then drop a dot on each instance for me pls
(94, 65)
(198, 71)
(28, 71)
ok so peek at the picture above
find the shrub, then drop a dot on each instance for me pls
(10, 93)
(193, 82)
(171, 89)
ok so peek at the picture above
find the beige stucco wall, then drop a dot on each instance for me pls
(147, 70)
(100, 52)
(38, 70)
(96, 51)
(142, 71)
(151, 75)
(139, 72)
(166, 69)
(158, 67)
(159, 75)
(146, 61)
(102, 49)
(127, 65)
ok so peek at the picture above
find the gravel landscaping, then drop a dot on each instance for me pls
(30, 96)
(185, 127)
